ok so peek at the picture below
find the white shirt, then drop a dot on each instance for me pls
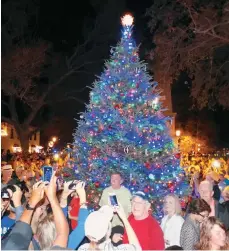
(171, 227)
(124, 198)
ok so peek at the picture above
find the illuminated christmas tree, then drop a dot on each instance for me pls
(124, 129)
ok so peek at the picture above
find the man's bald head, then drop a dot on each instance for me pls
(206, 191)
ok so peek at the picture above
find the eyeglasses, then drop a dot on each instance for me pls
(138, 203)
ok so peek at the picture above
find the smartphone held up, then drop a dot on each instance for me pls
(47, 175)
(113, 199)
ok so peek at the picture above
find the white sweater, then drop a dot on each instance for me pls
(171, 228)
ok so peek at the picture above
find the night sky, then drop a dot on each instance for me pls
(61, 23)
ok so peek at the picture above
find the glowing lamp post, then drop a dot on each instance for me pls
(56, 156)
(54, 139)
(178, 133)
(51, 144)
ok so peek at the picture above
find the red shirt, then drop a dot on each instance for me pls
(149, 233)
(75, 204)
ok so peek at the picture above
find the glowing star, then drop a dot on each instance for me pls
(127, 20)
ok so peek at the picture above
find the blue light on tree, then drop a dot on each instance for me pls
(123, 128)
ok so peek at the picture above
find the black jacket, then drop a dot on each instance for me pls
(224, 213)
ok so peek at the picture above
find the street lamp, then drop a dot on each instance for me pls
(56, 156)
(51, 144)
(54, 139)
(178, 133)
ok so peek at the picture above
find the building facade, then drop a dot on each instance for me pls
(10, 139)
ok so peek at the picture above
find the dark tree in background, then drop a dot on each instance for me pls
(35, 76)
(193, 36)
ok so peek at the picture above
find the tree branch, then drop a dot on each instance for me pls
(41, 100)
(35, 109)
(225, 39)
(80, 101)
(80, 90)
(79, 47)
(226, 62)
(190, 13)
(13, 109)
(211, 28)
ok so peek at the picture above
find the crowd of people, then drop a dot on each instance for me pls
(38, 215)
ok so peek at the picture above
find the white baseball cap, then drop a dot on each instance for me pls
(97, 223)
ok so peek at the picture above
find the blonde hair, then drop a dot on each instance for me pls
(46, 232)
(177, 203)
(205, 233)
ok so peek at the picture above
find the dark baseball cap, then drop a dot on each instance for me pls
(141, 195)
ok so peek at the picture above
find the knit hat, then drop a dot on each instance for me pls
(97, 223)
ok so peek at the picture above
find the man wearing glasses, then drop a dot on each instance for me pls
(146, 228)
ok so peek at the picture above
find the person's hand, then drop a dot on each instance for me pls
(16, 196)
(50, 190)
(68, 191)
(80, 189)
(37, 193)
(117, 237)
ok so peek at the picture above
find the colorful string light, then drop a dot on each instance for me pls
(124, 128)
